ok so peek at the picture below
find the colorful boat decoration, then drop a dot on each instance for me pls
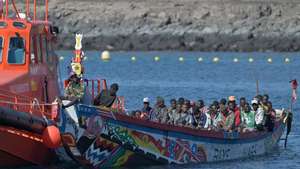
(105, 139)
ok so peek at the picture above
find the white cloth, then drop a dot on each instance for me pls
(259, 116)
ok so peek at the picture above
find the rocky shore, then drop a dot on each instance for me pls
(206, 25)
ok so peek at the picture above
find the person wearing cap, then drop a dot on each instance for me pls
(146, 110)
(259, 115)
(106, 98)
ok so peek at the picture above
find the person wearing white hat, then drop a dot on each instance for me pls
(259, 114)
(146, 110)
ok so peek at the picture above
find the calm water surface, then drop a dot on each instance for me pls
(206, 80)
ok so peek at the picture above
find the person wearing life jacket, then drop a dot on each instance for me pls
(172, 111)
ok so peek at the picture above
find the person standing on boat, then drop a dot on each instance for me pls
(270, 116)
(242, 104)
(160, 111)
(259, 115)
(74, 91)
(146, 110)
(230, 117)
(247, 119)
(106, 98)
(237, 113)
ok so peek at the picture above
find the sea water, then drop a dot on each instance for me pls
(202, 75)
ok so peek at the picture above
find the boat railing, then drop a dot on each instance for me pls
(28, 105)
(5, 13)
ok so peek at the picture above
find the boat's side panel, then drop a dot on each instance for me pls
(99, 141)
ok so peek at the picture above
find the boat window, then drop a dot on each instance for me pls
(38, 49)
(19, 25)
(1, 48)
(45, 49)
(3, 24)
(16, 52)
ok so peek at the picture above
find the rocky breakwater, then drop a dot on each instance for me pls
(207, 25)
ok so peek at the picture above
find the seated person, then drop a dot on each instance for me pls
(146, 110)
(74, 90)
(172, 111)
(216, 118)
(106, 98)
(247, 118)
(185, 118)
(201, 118)
(160, 111)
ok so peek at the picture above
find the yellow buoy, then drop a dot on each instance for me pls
(250, 60)
(235, 60)
(287, 60)
(270, 60)
(216, 59)
(105, 56)
(156, 58)
(200, 59)
(133, 58)
(181, 59)
(61, 58)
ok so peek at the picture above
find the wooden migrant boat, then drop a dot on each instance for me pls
(28, 82)
(102, 139)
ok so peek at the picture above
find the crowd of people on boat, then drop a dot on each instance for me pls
(226, 114)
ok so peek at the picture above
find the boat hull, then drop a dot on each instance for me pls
(21, 148)
(100, 139)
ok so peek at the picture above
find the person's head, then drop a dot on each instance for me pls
(254, 103)
(173, 103)
(181, 101)
(146, 102)
(160, 101)
(269, 105)
(187, 103)
(138, 114)
(216, 104)
(184, 108)
(265, 99)
(259, 98)
(223, 101)
(213, 108)
(200, 103)
(247, 108)
(74, 79)
(231, 99)
(231, 105)
(114, 89)
(242, 101)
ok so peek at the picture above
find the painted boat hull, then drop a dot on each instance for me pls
(100, 139)
(19, 148)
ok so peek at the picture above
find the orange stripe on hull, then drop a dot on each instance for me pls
(24, 146)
